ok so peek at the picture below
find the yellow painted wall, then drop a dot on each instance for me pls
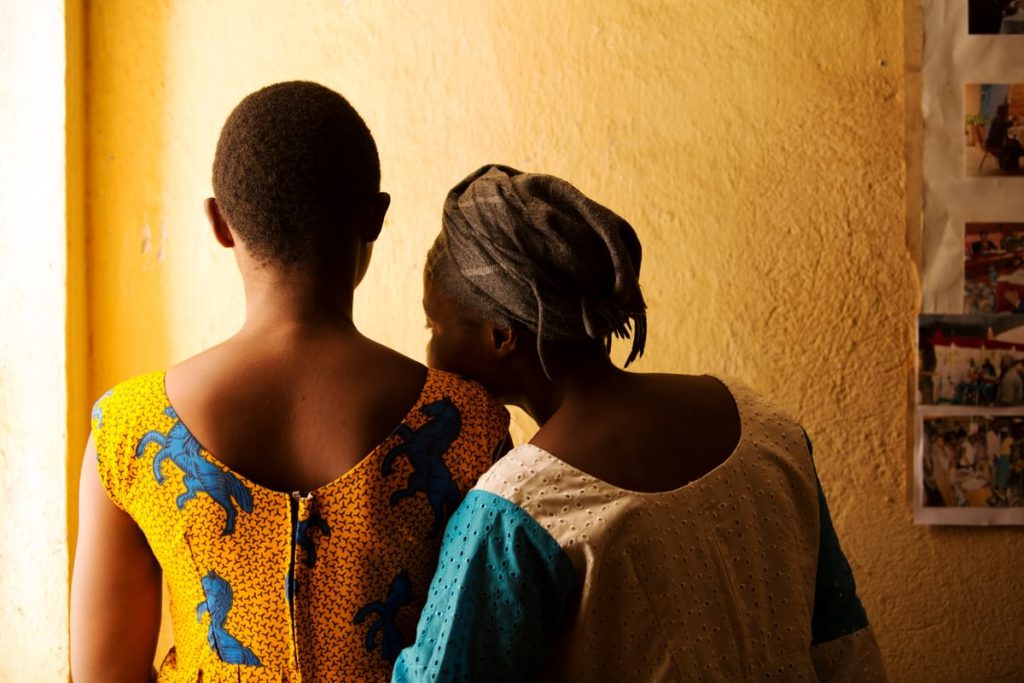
(756, 146)
(34, 372)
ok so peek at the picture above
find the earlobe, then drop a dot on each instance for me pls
(221, 231)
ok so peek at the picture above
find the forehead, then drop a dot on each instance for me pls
(439, 304)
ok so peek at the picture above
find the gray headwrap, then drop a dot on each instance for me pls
(543, 254)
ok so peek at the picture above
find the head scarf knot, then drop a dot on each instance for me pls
(547, 256)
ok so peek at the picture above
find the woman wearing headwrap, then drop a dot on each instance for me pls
(656, 527)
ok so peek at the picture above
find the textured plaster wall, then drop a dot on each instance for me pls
(33, 381)
(757, 147)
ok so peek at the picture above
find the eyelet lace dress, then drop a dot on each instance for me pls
(547, 573)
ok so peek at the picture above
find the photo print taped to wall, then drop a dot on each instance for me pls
(994, 129)
(995, 17)
(994, 268)
(968, 457)
(969, 468)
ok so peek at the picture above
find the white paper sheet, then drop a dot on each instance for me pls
(955, 66)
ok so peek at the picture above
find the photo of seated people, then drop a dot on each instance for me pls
(994, 268)
(971, 360)
(993, 128)
(987, 17)
(974, 461)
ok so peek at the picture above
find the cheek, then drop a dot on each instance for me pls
(442, 351)
(452, 353)
(434, 353)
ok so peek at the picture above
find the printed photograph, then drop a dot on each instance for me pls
(993, 129)
(994, 268)
(973, 461)
(993, 17)
(971, 360)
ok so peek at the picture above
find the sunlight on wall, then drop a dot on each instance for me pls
(33, 409)
(756, 147)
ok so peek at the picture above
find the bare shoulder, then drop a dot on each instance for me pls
(697, 410)
(647, 432)
(395, 366)
(294, 415)
(644, 406)
(240, 370)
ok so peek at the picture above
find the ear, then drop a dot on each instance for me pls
(503, 340)
(378, 208)
(221, 230)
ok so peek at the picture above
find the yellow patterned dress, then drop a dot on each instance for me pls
(274, 586)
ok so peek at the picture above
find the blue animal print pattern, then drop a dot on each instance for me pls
(97, 410)
(304, 536)
(425, 447)
(314, 638)
(217, 604)
(201, 475)
(304, 539)
(399, 595)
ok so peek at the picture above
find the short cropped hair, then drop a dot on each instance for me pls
(293, 162)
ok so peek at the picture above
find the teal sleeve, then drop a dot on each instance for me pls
(502, 589)
(837, 609)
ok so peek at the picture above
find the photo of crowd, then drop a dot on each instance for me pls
(993, 128)
(971, 360)
(974, 461)
(994, 268)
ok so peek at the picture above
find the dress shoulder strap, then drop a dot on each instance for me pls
(120, 419)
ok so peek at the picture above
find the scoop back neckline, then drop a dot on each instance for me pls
(431, 373)
(702, 480)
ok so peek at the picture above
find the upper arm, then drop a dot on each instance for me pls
(843, 646)
(115, 589)
(837, 609)
(502, 588)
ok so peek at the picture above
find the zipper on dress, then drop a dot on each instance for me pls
(297, 513)
(293, 505)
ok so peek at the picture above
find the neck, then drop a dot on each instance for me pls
(577, 377)
(280, 300)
